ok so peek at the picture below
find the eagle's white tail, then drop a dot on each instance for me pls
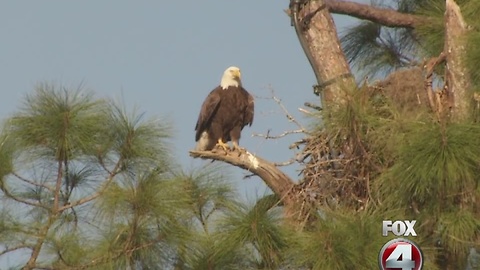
(203, 142)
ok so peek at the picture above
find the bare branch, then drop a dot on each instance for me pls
(268, 136)
(274, 178)
(383, 16)
(287, 113)
(285, 163)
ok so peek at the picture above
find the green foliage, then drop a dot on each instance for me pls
(432, 33)
(226, 234)
(438, 167)
(435, 181)
(458, 230)
(259, 227)
(472, 9)
(55, 122)
(373, 49)
(208, 192)
(334, 243)
(473, 58)
(416, 168)
(376, 50)
(6, 158)
(135, 141)
(92, 182)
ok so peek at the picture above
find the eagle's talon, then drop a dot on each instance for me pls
(222, 145)
(237, 148)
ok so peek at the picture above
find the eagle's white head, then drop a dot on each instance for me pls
(231, 77)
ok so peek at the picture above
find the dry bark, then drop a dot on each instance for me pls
(457, 79)
(273, 177)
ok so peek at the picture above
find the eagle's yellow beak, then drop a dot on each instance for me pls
(237, 74)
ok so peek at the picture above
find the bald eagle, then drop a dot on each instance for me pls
(224, 113)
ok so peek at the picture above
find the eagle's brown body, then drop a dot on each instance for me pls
(224, 113)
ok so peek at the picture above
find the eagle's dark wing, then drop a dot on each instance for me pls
(209, 107)
(249, 111)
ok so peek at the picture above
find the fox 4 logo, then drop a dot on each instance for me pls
(400, 253)
(399, 228)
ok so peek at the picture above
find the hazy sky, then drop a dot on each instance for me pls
(163, 57)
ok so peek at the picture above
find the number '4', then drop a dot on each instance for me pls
(404, 250)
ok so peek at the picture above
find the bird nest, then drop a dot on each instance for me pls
(339, 169)
(335, 174)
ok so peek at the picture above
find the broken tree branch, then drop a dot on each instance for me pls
(429, 68)
(274, 178)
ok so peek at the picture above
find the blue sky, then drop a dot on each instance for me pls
(163, 57)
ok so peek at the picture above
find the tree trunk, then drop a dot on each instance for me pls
(318, 35)
(457, 79)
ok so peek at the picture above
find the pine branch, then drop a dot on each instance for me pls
(58, 186)
(10, 249)
(20, 200)
(98, 193)
(32, 182)
(383, 16)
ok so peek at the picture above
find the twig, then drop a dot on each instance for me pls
(297, 144)
(285, 163)
(313, 106)
(11, 196)
(249, 176)
(305, 111)
(92, 197)
(287, 114)
(32, 182)
(58, 186)
(268, 136)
